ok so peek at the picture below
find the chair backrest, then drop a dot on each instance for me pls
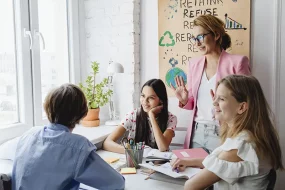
(272, 179)
(178, 141)
(5, 182)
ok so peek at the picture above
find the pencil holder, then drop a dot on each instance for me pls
(134, 157)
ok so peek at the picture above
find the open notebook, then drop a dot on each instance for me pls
(167, 170)
(162, 177)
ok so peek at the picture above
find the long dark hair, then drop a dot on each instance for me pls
(142, 124)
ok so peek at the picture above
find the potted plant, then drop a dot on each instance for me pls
(96, 95)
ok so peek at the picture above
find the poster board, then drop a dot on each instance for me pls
(175, 22)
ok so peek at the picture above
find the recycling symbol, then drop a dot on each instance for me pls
(166, 34)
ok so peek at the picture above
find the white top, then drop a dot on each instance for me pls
(129, 123)
(251, 173)
(204, 100)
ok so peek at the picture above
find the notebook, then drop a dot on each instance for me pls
(162, 177)
(155, 153)
(167, 170)
(190, 153)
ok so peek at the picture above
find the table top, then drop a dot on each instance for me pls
(137, 181)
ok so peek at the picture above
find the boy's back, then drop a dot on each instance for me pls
(54, 158)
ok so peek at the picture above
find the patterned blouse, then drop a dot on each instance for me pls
(129, 123)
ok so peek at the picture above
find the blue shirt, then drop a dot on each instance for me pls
(52, 158)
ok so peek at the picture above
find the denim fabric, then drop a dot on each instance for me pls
(206, 136)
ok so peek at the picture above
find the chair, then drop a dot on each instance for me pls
(272, 179)
(5, 182)
(178, 140)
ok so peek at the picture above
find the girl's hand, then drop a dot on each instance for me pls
(156, 110)
(180, 92)
(179, 164)
(213, 108)
(212, 94)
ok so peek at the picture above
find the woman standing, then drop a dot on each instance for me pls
(212, 40)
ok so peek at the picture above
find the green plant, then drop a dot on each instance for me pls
(96, 94)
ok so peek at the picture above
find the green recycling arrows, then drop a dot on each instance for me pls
(168, 34)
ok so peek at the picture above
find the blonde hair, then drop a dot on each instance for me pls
(216, 27)
(257, 119)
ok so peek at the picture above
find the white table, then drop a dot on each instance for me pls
(137, 181)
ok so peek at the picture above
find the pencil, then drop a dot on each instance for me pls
(149, 175)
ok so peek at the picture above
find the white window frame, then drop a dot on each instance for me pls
(74, 40)
(25, 111)
(27, 75)
(36, 66)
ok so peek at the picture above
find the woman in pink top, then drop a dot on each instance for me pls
(212, 40)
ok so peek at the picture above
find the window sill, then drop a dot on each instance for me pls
(94, 134)
(12, 131)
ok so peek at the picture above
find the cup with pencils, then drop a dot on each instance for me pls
(133, 151)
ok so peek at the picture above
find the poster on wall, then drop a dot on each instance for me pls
(175, 25)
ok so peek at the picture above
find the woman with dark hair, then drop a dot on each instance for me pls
(211, 39)
(151, 123)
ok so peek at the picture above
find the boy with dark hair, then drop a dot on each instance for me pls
(54, 158)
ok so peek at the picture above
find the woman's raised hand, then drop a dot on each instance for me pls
(180, 91)
(212, 94)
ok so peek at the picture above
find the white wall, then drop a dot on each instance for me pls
(112, 33)
(149, 55)
(263, 55)
(279, 84)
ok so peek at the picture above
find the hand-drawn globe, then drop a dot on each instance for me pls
(172, 73)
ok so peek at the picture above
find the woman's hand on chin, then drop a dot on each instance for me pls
(155, 110)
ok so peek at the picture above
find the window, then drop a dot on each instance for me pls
(39, 43)
(8, 76)
(50, 30)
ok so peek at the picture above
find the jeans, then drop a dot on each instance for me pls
(205, 136)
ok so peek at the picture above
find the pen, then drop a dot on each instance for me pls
(176, 169)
